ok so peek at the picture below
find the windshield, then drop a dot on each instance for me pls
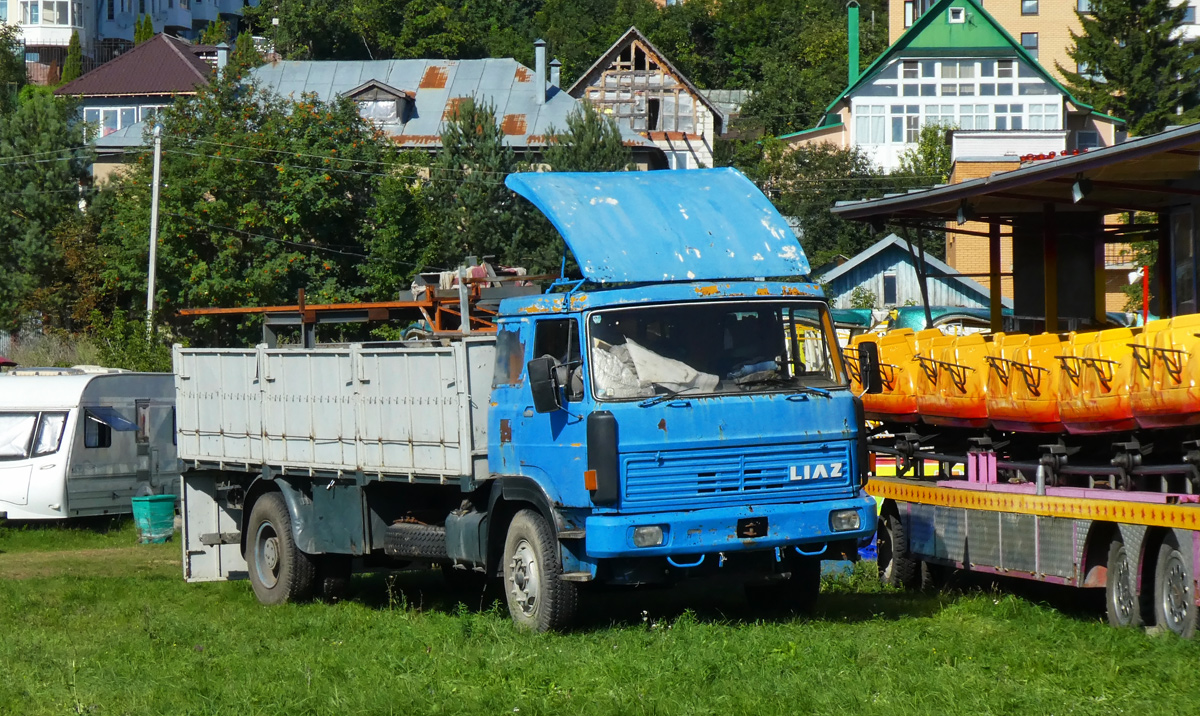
(712, 348)
(22, 432)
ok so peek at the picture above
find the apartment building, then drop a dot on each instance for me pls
(105, 27)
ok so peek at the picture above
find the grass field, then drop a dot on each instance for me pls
(93, 623)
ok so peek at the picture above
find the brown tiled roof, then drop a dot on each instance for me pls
(160, 66)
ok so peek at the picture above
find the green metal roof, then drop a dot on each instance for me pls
(831, 125)
(933, 35)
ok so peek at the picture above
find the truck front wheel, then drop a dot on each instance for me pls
(279, 571)
(537, 598)
(896, 567)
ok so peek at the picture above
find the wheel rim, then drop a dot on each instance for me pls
(1175, 592)
(266, 555)
(1123, 591)
(524, 579)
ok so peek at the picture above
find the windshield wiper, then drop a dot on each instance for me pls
(655, 400)
(806, 390)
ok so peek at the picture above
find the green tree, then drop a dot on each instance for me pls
(929, 162)
(244, 57)
(1138, 64)
(591, 143)
(143, 29)
(807, 182)
(45, 168)
(471, 212)
(862, 297)
(73, 65)
(215, 33)
(12, 67)
(260, 197)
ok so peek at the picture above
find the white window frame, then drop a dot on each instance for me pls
(870, 124)
(1044, 116)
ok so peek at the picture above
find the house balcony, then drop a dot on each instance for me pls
(178, 16)
(52, 35)
(967, 145)
(204, 12)
(231, 7)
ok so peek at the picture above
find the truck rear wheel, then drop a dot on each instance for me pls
(537, 598)
(896, 567)
(279, 571)
(1121, 599)
(1174, 589)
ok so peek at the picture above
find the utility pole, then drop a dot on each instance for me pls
(153, 231)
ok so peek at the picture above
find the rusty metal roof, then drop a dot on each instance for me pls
(163, 65)
(438, 84)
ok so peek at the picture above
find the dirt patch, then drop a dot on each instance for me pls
(122, 562)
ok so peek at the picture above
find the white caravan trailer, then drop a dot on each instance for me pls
(82, 441)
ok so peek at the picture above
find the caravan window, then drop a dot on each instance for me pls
(50, 432)
(16, 430)
(95, 433)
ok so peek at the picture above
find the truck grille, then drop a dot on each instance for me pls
(737, 475)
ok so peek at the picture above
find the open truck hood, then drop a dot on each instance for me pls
(668, 225)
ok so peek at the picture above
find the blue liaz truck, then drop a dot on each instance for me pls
(681, 411)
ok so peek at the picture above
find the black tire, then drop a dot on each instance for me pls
(896, 567)
(1122, 603)
(1175, 588)
(279, 571)
(537, 598)
(796, 591)
(333, 577)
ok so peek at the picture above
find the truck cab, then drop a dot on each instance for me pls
(684, 419)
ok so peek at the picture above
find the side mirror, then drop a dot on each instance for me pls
(543, 385)
(868, 367)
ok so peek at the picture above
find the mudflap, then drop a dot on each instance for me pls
(212, 550)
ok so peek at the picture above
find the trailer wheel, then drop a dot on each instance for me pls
(537, 598)
(1174, 589)
(279, 571)
(1122, 602)
(896, 567)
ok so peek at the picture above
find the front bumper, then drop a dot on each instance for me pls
(715, 529)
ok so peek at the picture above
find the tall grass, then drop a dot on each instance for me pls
(126, 641)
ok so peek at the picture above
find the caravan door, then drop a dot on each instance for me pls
(31, 464)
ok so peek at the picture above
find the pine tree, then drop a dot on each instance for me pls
(143, 29)
(73, 65)
(1135, 62)
(215, 33)
(592, 143)
(12, 67)
(245, 56)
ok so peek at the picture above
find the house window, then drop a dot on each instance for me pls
(1189, 15)
(957, 16)
(869, 123)
(1087, 140)
(1083, 7)
(974, 116)
(112, 9)
(939, 114)
(1009, 116)
(30, 12)
(910, 70)
(380, 111)
(1029, 7)
(906, 122)
(1029, 40)
(1004, 68)
(3, 12)
(889, 289)
(1043, 116)
(653, 111)
(910, 12)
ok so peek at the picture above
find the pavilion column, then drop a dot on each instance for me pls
(1099, 282)
(1050, 264)
(997, 290)
(1165, 271)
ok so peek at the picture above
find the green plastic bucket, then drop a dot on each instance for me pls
(155, 517)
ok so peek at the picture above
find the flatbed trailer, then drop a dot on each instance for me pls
(1140, 547)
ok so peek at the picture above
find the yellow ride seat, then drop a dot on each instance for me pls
(1033, 376)
(1094, 388)
(957, 365)
(1171, 398)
